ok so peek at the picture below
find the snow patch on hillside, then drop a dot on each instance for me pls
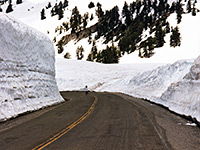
(27, 71)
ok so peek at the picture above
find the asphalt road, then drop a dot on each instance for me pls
(115, 122)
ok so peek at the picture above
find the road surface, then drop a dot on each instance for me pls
(99, 121)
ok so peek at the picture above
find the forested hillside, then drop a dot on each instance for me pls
(136, 26)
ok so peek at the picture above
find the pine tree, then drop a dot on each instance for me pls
(91, 5)
(85, 20)
(99, 12)
(90, 37)
(138, 6)
(43, 14)
(54, 10)
(108, 55)
(66, 26)
(60, 11)
(179, 11)
(132, 7)
(126, 14)
(173, 7)
(79, 53)
(194, 10)
(49, 5)
(148, 47)
(93, 53)
(18, 1)
(67, 55)
(75, 21)
(167, 29)
(9, 8)
(159, 35)
(175, 39)
(92, 17)
(65, 4)
(60, 47)
(188, 7)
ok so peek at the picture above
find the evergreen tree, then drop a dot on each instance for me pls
(54, 10)
(175, 38)
(75, 21)
(60, 11)
(159, 35)
(133, 7)
(188, 7)
(66, 26)
(138, 6)
(79, 53)
(173, 7)
(148, 47)
(179, 11)
(92, 17)
(85, 20)
(194, 10)
(161, 7)
(108, 55)
(126, 14)
(99, 12)
(18, 1)
(91, 5)
(67, 55)
(90, 37)
(9, 8)
(49, 5)
(93, 54)
(65, 4)
(60, 47)
(54, 39)
(43, 14)
(167, 29)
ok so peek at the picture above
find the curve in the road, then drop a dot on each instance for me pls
(68, 128)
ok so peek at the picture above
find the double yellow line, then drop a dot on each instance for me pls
(67, 129)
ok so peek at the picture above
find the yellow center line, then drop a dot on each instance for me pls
(68, 128)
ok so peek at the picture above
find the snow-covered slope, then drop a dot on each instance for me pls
(29, 13)
(27, 71)
(184, 96)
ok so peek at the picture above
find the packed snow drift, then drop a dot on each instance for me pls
(27, 71)
(184, 96)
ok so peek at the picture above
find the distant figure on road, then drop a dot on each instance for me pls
(86, 90)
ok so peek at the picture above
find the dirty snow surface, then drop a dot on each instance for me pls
(27, 72)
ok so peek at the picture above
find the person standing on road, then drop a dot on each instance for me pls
(86, 90)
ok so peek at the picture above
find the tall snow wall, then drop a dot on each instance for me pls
(183, 97)
(27, 70)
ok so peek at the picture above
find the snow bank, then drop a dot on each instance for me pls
(27, 72)
(183, 97)
(75, 75)
(150, 84)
